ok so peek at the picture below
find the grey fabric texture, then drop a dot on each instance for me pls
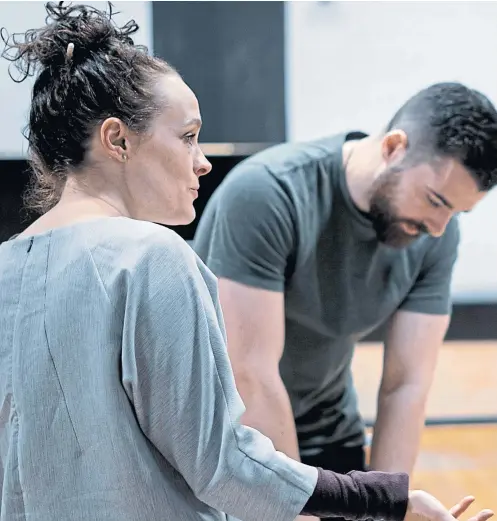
(118, 401)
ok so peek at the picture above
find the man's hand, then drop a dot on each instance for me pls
(308, 518)
(423, 506)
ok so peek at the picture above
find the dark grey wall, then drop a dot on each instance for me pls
(232, 55)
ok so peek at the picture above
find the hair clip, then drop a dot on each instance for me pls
(70, 50)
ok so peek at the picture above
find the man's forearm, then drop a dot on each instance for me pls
(270, 412)
(398, 429)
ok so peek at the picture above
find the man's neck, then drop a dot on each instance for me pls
(361, 160)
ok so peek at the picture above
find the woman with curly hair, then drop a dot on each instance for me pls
(117, 396)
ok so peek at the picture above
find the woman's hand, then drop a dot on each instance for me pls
(424, 507)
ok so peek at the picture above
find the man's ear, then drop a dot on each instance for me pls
(394, 146)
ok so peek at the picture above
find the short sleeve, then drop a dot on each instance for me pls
(431, 292)
(247, 230)
(177, 375)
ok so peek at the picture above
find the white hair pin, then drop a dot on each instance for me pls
(69, 52)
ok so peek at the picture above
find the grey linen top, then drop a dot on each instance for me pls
(118, 401)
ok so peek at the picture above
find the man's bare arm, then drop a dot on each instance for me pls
(255, 326)
(411, 352)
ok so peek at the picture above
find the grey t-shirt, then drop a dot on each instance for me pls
(284, 220)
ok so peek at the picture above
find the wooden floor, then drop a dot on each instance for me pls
(455, 460)
(465, 380)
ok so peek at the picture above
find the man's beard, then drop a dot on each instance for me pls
(384, 215)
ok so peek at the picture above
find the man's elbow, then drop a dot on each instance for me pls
(261, 391)
(413, 391)
(251, 381)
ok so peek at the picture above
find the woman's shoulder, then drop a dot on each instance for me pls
(151, 258)
(132, 242)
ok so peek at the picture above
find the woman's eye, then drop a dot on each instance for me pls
(189, 138)
(434, 203)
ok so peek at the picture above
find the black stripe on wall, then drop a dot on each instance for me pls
(474, 321)
(232, 55)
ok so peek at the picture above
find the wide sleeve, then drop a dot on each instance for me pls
(178, 377)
